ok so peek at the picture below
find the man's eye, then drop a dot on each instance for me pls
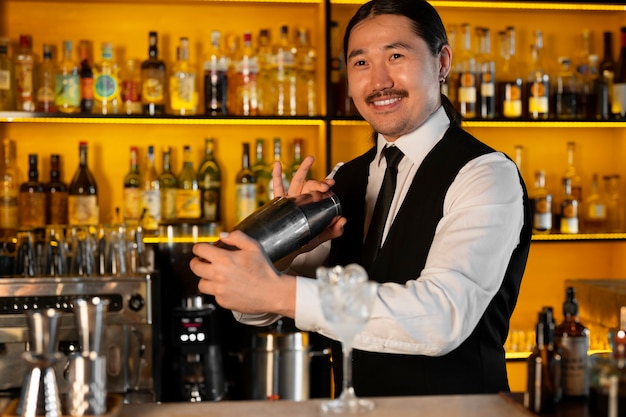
(396, 56)
(359, 63)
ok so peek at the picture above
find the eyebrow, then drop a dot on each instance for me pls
(394, 45)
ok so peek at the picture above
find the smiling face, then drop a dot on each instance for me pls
(393, 77)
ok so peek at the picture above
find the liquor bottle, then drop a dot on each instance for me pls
(538, 83)
(86, 76)
(572, 337)
(7, 77)
(566, 90)
(607, 64)
(67, 82)
(130, 80)
(9, 190)
(210, 179)
(569, 219)
(244, 72)
(215, 81)
(572, 173)
(132, 191)
(466, 89)
(168, 184)
(262, 172)
(44, 98)
(82, 201)
(615, 219)
(580, 63)
(25, 62)
(520, 161)
(338, 82)
(595, 209)
(306, 78)
(245, 188)
(541, 203)
(448, 86)
(183, 85)
(509, 85)
(150, 194)
(297, 159)
(595, 93)
(486, 69)
(619, 80)
(32, 197)
(153, 80)
(265, 85)
(56, 194)
(188, 190)
(106, 83)
(544, 369)
(278, 152)
(284, 75)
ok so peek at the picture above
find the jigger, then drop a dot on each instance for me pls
(89, 315)
(40, 394)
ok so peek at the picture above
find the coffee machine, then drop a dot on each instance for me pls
(200, 341)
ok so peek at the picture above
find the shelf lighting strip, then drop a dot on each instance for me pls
(512, 5)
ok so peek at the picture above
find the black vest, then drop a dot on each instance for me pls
(478, 364)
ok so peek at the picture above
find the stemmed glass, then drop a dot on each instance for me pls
(347, 298)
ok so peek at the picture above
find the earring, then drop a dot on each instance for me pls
(442, 80)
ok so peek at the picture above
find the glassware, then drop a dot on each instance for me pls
(347, 299)
(55, 252)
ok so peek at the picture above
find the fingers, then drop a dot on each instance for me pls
(300, 176)
(277, 179)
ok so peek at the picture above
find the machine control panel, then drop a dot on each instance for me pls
(64, 303)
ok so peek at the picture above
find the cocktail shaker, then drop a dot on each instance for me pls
(285, 224)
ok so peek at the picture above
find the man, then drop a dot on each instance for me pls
(454, 243)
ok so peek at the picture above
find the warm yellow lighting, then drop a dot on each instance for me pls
(529, 123)
(511, 5)
(181, 239)
(580, 237)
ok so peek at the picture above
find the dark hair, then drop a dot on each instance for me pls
(427, 24)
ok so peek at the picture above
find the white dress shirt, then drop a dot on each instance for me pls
(473, 242)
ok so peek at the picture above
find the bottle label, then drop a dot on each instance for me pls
(5, 80)
(487, 89)
(596, 211)
(575, 365)
(569, 224)
(467, 88)
(83, 210)
(153, 90)
(538, 98)
(168, 203)
(188, 204)
(67, 90)
(512, 104)
(45, 94)
(57, 207)
(183, 94)
(151, 201)
(132, 203)
(131, 96)
(32, 209)
(86, 88)
(246, 202)
(106, 87)
(24, 85)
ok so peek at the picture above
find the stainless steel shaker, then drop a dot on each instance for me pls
(285, 224)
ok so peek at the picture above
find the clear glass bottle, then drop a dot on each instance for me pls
(9, 190)
(306, 82)
(188, 190)
(82, 203)
(538, 83)
(210, 179)
(245, 187)
(168, 184)
(132, 190)
(56, 194)
(150, 194)
(183, 91)
(596, 208)
(572, 171)
(297, 159)
(616, 214)
(284, 75)
(131, 87)
(265, 85)
(244, 100)
(106, 83)
(45, 97)
(153, 79)
(510, 84)
(466, 89)
(215, 82)
(541, 203)
(618, 107)
(32, 197)
(596, 93)
(566, 90)
(278, 156)
(25, 63)
(7, 77)
(67, 82)
(86, 76)
(569, 219)
(572, 337)
(486, 70)
(262, 172)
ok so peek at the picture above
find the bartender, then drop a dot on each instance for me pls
(450, 249)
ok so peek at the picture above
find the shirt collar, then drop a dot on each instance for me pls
(416, 144)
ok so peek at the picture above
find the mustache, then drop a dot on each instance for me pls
(387, 93)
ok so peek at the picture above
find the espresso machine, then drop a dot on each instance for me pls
(200, 341)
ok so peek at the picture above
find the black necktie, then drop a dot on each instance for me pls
(393, 155)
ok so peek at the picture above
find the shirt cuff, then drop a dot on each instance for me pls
(309, 315)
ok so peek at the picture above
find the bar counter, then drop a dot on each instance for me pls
(491, 405)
